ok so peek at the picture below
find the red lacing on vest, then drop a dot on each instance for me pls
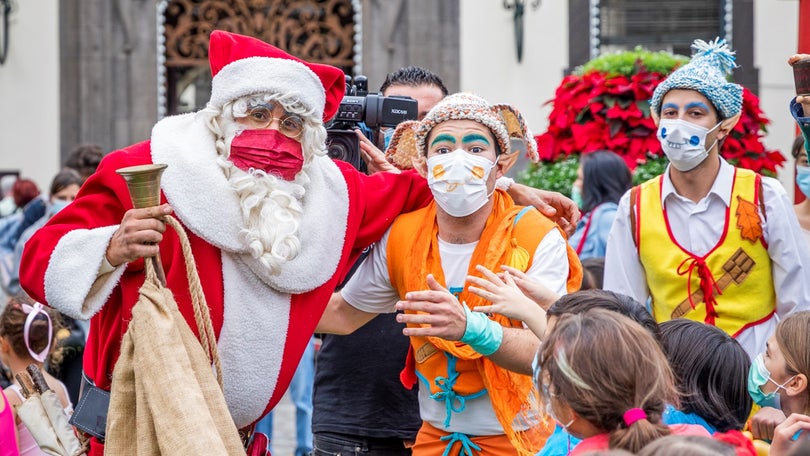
(707, 284)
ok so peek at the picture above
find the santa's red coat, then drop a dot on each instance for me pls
(263, 322)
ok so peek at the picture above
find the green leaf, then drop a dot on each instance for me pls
(653, 167)
(558, 176)
(628, 63)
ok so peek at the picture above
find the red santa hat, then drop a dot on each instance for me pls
(243, 65)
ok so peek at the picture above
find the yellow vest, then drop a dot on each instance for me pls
(736, 273)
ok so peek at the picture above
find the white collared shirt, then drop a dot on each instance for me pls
(698, 228)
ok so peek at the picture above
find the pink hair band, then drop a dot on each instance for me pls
(633, 415)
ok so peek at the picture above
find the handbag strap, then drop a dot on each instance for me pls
(202, 315)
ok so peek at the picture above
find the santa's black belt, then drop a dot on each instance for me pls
(90, 415)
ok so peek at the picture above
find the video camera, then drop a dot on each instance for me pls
(369, 112)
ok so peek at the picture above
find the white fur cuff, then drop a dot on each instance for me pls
(72, 284)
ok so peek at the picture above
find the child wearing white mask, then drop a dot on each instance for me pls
(707, 241)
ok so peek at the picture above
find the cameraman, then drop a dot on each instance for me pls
(418, 83)
(359, 404)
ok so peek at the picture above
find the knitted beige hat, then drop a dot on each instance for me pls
(504, 121)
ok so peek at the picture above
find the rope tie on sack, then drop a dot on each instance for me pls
(202, 316)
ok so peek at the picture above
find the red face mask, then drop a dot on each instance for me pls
(269, 151)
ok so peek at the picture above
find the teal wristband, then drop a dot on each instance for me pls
(482, 334)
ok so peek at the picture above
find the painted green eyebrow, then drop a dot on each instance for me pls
(474, 137)
(443, 137)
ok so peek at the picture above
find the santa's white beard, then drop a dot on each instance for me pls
(271, 214)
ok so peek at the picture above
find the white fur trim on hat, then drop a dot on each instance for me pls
(266, 74)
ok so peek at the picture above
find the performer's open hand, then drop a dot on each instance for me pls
(138, 235)
(374, 157)
(553, 205)
(439, 312)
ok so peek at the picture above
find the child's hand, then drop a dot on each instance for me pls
(538, 292)
(787, 434)
(504, 294)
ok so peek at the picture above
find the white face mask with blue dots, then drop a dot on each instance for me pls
(684, 143)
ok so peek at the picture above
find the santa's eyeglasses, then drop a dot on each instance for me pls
(289, 125)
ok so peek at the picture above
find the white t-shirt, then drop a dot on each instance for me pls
(370, 290)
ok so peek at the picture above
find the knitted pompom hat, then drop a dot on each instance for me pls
(706, 73)
(503, 121)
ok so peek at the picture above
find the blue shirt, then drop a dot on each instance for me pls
(597, 231)
(560, 443)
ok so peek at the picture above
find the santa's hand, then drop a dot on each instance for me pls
(438, 311)
(138, 235)
(374, 157)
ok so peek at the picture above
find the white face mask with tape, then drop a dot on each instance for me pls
(458, 181)
(684, 143)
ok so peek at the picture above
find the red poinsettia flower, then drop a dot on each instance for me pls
(602, 108)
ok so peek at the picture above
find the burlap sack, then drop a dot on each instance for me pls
(165, 398)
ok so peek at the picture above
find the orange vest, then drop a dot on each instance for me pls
(735, 274)
(452, 370)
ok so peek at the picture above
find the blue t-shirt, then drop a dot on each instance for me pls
(560, 443)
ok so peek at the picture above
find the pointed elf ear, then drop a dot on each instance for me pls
(420, 165)
(402, 151)
(727, 125)
(507, 161)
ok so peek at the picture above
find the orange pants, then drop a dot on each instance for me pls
(429, 443)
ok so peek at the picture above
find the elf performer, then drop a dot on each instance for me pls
(706, 240)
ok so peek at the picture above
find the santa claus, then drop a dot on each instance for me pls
(274, 223)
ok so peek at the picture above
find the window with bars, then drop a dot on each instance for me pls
(657, 25)
(315, 30)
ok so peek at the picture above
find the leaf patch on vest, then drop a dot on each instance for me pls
(748, 220)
